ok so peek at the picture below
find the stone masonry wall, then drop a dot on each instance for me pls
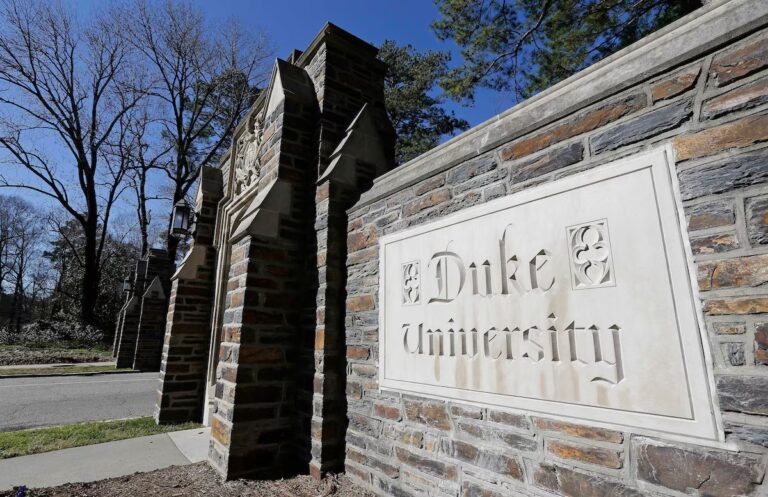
(714, 111)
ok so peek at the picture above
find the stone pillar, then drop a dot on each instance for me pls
(149, 343)
(125, 339)
(119, 326)
(133, 327)
(188, 328)
(254, 428)
(360, 157)
(154, 308)
(356, 144)
(328, 400)
(279, 395)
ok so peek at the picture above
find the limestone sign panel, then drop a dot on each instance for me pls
(572, 299)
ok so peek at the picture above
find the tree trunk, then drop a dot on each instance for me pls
(143, 216)
(90, 286)
(56, 304)
(17, 304)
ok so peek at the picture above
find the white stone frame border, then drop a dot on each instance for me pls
(707, 426)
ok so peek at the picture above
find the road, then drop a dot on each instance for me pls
(32, 402)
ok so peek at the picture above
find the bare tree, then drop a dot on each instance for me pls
(63, 84)
(27, 248)
(21, 237)
(204, 80)
(9, 207)
(135, 152)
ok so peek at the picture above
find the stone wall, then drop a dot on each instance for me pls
(702, 86)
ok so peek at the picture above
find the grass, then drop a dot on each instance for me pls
(59, 370)
(35, 441)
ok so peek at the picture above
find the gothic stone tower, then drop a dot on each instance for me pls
(254, 340)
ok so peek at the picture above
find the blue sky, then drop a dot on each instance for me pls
(292, 24)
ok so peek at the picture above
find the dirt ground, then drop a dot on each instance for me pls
(200, 480)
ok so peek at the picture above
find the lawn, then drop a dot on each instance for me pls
(60, 370)
(35, 441)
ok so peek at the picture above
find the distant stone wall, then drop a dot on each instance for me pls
(140, 327)
(701, 86)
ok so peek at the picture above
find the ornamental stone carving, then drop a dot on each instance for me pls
(247, 161)
(590, 253)
(411, 283)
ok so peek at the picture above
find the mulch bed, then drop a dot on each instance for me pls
(15, 355)
(201, 480)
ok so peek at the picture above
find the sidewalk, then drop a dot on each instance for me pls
(107, 460)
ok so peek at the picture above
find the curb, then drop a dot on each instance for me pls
(94, 373)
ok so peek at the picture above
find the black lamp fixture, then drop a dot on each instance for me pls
(183, 218)
(128, 283)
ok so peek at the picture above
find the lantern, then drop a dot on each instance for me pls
(182, 218)
(128, 283)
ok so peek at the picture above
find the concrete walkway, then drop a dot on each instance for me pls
(107, 460)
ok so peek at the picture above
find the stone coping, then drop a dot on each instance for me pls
(711, 26)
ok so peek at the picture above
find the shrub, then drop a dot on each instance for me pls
(62, 331)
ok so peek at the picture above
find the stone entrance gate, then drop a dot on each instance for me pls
(312, 335)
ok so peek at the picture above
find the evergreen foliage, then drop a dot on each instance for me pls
(414, 108)
(525, 46)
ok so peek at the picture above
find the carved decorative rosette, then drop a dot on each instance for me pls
(590, 252)
(411, 283)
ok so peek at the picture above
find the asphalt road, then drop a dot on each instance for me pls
(33, 402)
